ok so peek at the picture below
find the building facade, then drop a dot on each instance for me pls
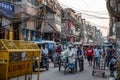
(26, 13)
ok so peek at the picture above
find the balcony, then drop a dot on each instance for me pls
(73, 15)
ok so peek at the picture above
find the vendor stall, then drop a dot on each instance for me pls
(16, 59)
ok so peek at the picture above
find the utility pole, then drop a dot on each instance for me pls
(11, 32)
(43, 20)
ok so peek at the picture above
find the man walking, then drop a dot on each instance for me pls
(90, 53)
(97, 55)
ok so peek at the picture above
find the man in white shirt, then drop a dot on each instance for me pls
(44, 53)
(44, 50)
(71, 54)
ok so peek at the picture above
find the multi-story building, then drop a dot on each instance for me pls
(52, 22)
(98, 37)
(26, 12)
(114, 9)
(69, 19)
(91, 33)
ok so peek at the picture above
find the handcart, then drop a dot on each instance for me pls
(99, 66)
(66, 64)
(70, 66)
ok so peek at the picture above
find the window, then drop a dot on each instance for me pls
(5, 0)
(34, 2)
(17, 0)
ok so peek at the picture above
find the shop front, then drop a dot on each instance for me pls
(6, 15)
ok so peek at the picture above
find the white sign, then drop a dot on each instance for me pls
(5, 23)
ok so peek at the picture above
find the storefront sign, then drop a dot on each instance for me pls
(6, 9)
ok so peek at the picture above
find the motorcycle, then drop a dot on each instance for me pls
(44, 63)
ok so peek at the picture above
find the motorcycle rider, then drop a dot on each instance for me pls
(44, 53)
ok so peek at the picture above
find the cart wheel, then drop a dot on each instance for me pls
(93, 73)
(54, 64)
(47, 67)
(76, 66)
(65, 71)
(74, 71)
(103, 74)
(59, 65)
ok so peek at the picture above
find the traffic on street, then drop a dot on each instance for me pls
(59, 40)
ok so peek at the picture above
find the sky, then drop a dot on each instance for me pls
(96, 9)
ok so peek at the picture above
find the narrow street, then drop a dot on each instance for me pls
(64, 31)
(54, 74)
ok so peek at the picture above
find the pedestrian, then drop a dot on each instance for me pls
(97, 55)
(80, 59)
(109, 55)
(57, 54)
(70, 54)
(74, 48)
(113, 66)
(89, 53)
(58, 50)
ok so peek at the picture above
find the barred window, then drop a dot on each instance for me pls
(34, 2)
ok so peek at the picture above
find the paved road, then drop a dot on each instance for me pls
(54, 74)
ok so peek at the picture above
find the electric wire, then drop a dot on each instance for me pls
(87, 12)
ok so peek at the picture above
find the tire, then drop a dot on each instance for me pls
(59, 64)
(76, 66)
(47, 67)
(65, 71)
(103, 74)
(93, 73)
(54, 64)
(59, 67)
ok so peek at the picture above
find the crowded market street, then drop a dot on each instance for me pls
(59, 39)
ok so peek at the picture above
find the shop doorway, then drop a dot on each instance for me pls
(4, 33)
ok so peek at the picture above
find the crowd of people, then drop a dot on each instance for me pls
(79, 52)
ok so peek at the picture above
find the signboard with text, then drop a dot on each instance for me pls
(6, 9)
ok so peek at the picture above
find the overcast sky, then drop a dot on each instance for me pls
(96, 8)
